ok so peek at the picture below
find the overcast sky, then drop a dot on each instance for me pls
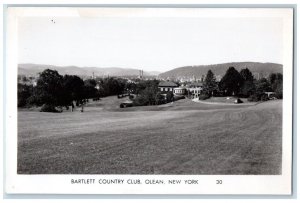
(156, 44)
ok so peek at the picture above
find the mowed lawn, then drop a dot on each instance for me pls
(180, 138)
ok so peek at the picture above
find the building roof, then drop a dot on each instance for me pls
(196, 84)
(179, 88)
(167, 84)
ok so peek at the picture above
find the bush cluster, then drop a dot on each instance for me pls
(49, 108)
(204, 97)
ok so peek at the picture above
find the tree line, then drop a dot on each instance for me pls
(54, 90)
(242, 84)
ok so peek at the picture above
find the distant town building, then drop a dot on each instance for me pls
(141, 74)
(130, 81)
(27, 80)
(202, 78)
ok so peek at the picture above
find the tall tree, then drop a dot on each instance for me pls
(24, 92)
(73, 89)
(210, 85)
(90, 90)
(231, 82)
(276, 82)
(273, 77)
(246, 74)
(169, 97)
(49, 87)
(248, 86)
(148, 93)
(263, 86)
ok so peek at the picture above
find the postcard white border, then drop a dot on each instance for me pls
(232, 184)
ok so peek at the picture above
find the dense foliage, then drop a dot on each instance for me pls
(276, 82)
(231, 82)
(24, 93)
(148, 94)
(111, 86)
(243, 84)
(248, 86)
(54, 90)
(210, 85)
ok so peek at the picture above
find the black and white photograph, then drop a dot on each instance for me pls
(169, 92)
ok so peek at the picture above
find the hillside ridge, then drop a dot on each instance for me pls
(197, 71)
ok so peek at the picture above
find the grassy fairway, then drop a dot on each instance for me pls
(183, 138)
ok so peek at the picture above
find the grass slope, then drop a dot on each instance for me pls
(183, 138)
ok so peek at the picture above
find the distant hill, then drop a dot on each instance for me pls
(153, 72)
(34, 69)
(261, 69)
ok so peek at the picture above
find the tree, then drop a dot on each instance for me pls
(49, 88)
(169, 97)
(73, 88)
(130, 87)
(246, 75)
(112, 86)
(278, 89)
(274, 77)
(276, 82)
(24, 92)
(89, 89)
(248, 86)
(262, 86)
(231, 82)
(150, 95)
(143, 84)
(159, 99)
(210, 85)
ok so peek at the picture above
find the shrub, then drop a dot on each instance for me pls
(49, 108)
(96, 99)
(258, 97)
(278, 95)
(238, 101)
(203, 97)
(254, 98)
(176, 98)
(264, 97)
(169, 97)
(125, 105)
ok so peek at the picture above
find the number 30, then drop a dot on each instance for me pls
(219, 182)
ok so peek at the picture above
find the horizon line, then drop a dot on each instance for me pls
(185, 66)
